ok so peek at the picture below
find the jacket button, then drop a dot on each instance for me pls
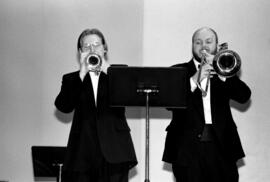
(199, 135)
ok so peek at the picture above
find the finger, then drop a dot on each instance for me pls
(83, 57)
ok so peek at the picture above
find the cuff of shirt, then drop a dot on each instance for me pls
(193, 85)
(222, 78)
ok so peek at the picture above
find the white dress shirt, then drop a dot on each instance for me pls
(94, 78)
(206, 99)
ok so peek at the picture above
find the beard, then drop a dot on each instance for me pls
(196, 56)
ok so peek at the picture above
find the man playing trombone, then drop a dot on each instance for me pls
(202, 141)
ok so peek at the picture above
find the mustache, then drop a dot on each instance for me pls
(203, 50)
(208, 50)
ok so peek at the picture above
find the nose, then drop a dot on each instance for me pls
(91, 48)
(204, 48)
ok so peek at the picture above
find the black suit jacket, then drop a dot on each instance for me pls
(111, 126)
(185, 129)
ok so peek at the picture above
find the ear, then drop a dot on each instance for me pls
(80, 50)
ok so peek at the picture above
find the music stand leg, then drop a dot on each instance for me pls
(59, 173)
(147, 91)
(147, 140)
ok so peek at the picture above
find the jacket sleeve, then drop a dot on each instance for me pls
(69, 93)
(237, 89)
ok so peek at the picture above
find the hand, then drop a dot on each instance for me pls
(83, 64)
(105, 65)
(207, 56)
(203, 73)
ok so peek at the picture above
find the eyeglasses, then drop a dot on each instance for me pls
(87, 47)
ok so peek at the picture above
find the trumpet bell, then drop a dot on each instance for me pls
(94, 62)
(226, 63)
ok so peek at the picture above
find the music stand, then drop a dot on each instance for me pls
(48, 161)
(149, 87)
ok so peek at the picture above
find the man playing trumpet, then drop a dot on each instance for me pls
(100, 148)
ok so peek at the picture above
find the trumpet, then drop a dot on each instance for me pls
(226, 63)
(94, 62)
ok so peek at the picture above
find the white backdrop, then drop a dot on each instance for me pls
(38, 45)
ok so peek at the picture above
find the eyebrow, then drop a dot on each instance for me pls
(199, 39)
(97, 42)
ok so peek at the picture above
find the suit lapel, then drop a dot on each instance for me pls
(102, 84)
(198, 102)
(88, 87)
(213, 98)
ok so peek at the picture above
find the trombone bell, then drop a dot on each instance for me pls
(226, 63)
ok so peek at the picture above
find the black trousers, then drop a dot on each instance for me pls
(99, 170)
(209, 165)
(108, 173)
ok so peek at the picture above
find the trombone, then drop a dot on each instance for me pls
(226, 63)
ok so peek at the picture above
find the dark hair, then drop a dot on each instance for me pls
(90, 32)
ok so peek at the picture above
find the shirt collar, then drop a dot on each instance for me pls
(196, 63)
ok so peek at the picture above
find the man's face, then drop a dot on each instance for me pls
(204, 39)
(92, 43)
